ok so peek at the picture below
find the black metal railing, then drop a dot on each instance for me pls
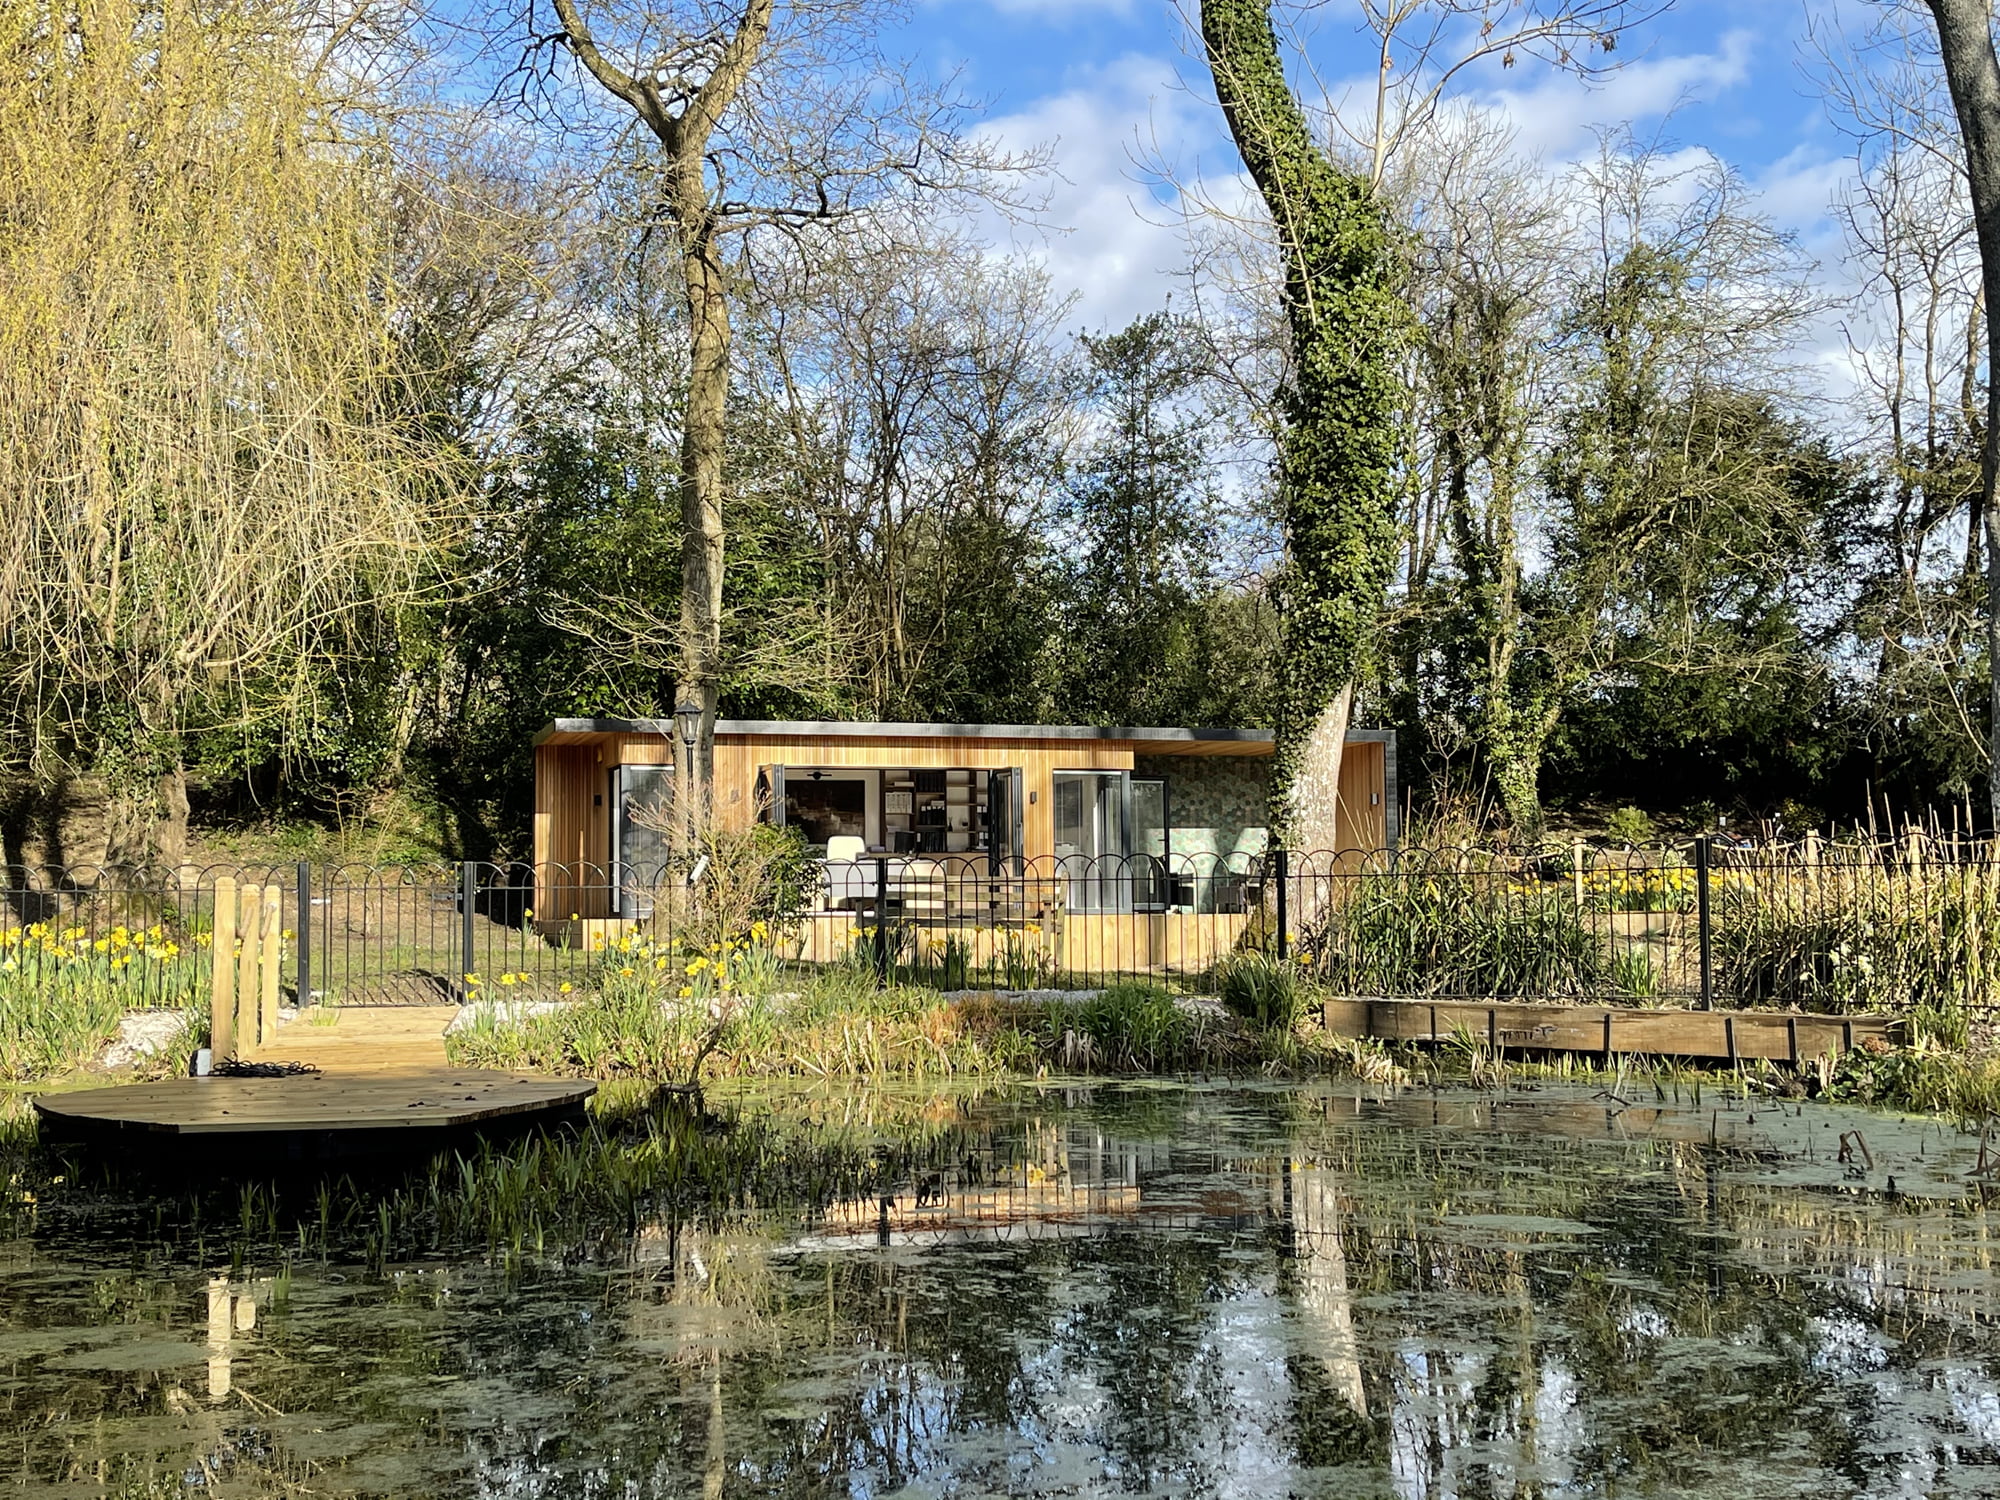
(1820, 925)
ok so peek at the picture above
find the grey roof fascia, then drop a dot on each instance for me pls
(828, 729)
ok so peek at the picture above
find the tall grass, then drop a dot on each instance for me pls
(1921, 940)
(1468, 931)
(838, 1024)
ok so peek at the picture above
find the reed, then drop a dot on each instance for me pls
(1440, 930)
(1917, 940)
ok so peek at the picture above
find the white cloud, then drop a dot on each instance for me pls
(1111, 239)
(1113, 236)
(1556, 117)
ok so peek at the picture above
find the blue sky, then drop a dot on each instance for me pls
(1101, 82)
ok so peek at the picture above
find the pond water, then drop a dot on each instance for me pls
(1077, 1290)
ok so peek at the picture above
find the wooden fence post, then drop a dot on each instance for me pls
(249, 924)
(271, 950)
(222, 977)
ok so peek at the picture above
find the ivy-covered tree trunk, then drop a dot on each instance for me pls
(1972, 73)
(1343, 412)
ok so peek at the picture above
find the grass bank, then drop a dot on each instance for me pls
(840, 1024)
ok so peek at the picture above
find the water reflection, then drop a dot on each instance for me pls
(1107, 1290)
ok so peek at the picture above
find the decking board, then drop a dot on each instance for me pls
(1731, 1035)
(314, 1102)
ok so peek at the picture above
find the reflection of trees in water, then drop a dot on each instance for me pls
(1284, 1285)
(1708, 1321)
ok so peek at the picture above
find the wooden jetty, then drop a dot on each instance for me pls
(372, 1080)
(305, 1116)
(1613, 1030)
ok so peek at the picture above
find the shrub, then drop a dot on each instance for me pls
(1266, 991)
(1629, 826)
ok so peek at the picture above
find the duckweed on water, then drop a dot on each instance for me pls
(1084, 1289)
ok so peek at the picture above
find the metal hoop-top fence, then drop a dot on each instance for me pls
(1824, 926)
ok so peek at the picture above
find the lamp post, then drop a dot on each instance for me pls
(687, 719)
(687, 723)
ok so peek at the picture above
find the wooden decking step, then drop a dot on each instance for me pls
(375, 1038)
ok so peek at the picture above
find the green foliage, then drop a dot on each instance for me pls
(1138, 639)
(1344, 406)
(1633, 973)
(1452, 933)
(1266, 991)
(1629, 826)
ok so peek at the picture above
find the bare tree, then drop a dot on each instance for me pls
(921, 411)
(761, 118)
(1921, 337)
(1489, 245)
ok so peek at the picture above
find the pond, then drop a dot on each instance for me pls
(1065, 1289)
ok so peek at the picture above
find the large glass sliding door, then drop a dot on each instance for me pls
(1111, 840)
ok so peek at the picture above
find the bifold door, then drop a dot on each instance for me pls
(641, 803)
(1005, 815)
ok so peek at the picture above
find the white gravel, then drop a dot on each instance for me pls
(143, 1035)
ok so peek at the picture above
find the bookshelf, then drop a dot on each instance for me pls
(934, 811)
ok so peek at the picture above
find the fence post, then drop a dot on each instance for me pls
(222, 973)
(468, 892)
(271, 937)
(1701, 862)
(305, 900)
(1283, 865)
(882, 922)
(250, 965)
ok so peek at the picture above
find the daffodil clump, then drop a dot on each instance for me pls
(746, 964)
(1620, 888)
(64, 989)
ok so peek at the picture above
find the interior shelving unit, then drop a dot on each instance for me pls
(933, 811)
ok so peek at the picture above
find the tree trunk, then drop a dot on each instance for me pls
(1517, 776)
(691, 209)
(1312, 806)
(1972, 72)
(702, 446)
(1341, 447)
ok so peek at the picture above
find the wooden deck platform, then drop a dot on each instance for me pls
(311, 1115)
(1611, 1030)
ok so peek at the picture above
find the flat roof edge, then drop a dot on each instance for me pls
(835, 728)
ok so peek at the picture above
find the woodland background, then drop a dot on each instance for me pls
(343, 361)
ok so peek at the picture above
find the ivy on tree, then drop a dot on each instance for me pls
(1344, 406)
